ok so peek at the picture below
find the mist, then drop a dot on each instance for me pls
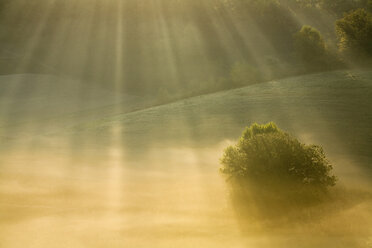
(114, 117)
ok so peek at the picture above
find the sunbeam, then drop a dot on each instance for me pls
(121, 123)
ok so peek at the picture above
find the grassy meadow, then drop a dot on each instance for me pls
(149, 177)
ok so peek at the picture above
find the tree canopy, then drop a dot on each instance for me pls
(310, 47)
(354, 31)
(269, 157)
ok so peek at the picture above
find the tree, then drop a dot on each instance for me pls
(310, 48)
(268, 158)
(354, 32)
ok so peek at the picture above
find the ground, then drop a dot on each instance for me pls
(106, 170)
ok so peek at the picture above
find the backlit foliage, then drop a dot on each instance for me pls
(268, 156)
(354, 31)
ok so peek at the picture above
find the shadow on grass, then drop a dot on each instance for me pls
(284, 206)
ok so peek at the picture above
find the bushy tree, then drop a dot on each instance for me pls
(310, 48)
(270, 158)
(354, 31)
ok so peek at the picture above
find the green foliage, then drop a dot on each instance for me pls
(244, 74)
(269, 157)
(310, 48)
(354, 32)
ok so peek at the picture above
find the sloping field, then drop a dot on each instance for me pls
(34, 104)
(149, 177)
(331, 109)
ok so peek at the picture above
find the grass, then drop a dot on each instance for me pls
(331, 109)
(151, 176)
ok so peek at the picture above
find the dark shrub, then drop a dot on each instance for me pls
(270, 159)
(310, 48)
(354, 32)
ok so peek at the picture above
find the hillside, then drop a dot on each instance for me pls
(32, 104)
(103, 173)
(332, 109)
